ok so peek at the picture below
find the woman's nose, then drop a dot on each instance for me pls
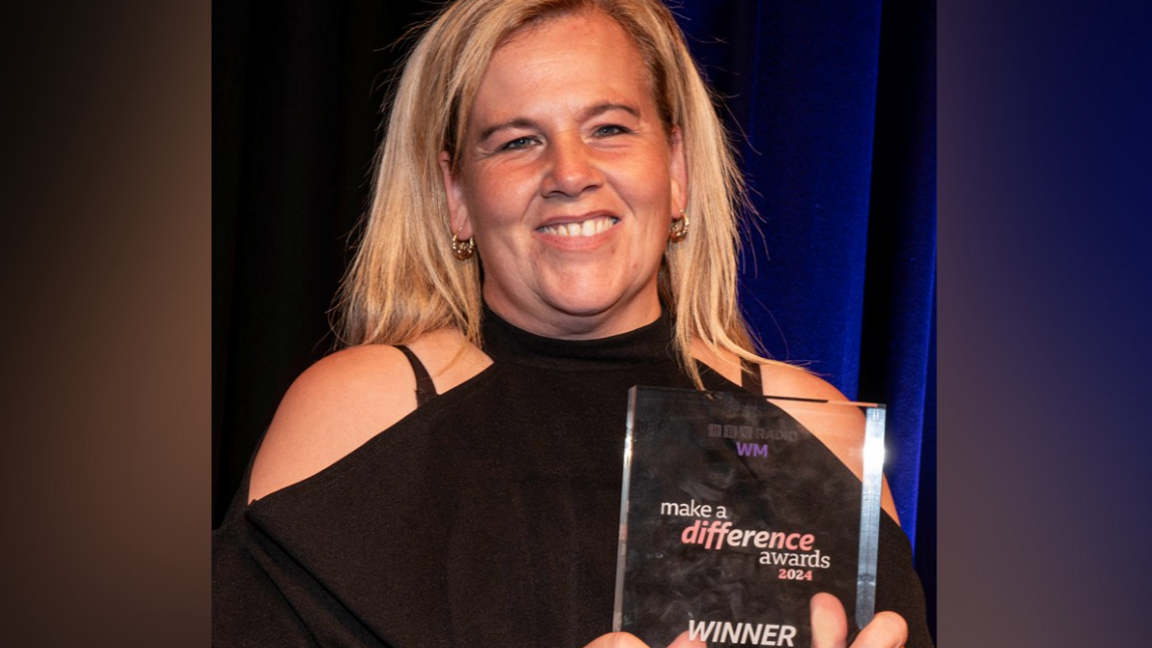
(572, 168)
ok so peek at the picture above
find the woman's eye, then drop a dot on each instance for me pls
(518, 143)
(610, 129)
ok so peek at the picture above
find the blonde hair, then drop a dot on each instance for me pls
(404, 280)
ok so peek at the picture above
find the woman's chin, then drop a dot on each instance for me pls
(577, 309)
(600, 315)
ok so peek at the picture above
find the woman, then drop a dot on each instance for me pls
(554, 221)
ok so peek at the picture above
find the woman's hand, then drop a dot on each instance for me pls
(629, 640)
(830, 627)
(829, 630)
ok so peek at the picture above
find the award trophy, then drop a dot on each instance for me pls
(736, 509)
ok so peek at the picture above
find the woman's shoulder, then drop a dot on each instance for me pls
(840, 429)
(793, 381)
(800, 393)
(350, 396)
(777, 378)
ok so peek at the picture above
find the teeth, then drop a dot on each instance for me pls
(590, 227)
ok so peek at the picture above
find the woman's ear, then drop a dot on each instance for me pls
(457, 206)
(678, 171)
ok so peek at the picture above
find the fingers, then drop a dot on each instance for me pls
(886, 630)
(829, 630)
(829, 623)
(617, 640)
(683, 641)
(628, 640)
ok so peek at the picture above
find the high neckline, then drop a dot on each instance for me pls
(650, 344)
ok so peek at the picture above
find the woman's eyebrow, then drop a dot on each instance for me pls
(516, 122)
(589, 113)
(601, 108)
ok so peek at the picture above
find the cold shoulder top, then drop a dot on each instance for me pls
(487, 517)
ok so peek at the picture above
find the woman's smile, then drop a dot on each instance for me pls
(585, 227)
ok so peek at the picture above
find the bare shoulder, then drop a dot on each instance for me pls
(782, 379)
(841, 431)
(347, 398)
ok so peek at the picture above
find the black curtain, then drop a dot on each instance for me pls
(833, 107)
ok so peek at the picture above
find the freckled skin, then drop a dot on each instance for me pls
(564, 129)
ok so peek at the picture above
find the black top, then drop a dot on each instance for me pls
(425, 388)
(487, 517)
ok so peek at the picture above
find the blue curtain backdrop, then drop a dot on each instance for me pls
(832, 105)
(835, 106)
(838, 144)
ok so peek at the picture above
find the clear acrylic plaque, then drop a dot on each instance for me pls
(737, 509)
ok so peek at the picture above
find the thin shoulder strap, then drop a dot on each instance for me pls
(750, 378)
(425, 389)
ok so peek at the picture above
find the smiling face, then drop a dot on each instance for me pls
(568, 181)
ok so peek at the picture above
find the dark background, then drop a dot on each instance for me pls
(833, 111)
(105, 385)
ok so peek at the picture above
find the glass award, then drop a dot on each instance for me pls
(736, 509)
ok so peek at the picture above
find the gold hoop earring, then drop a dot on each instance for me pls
(679, 229)
(462, 250)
